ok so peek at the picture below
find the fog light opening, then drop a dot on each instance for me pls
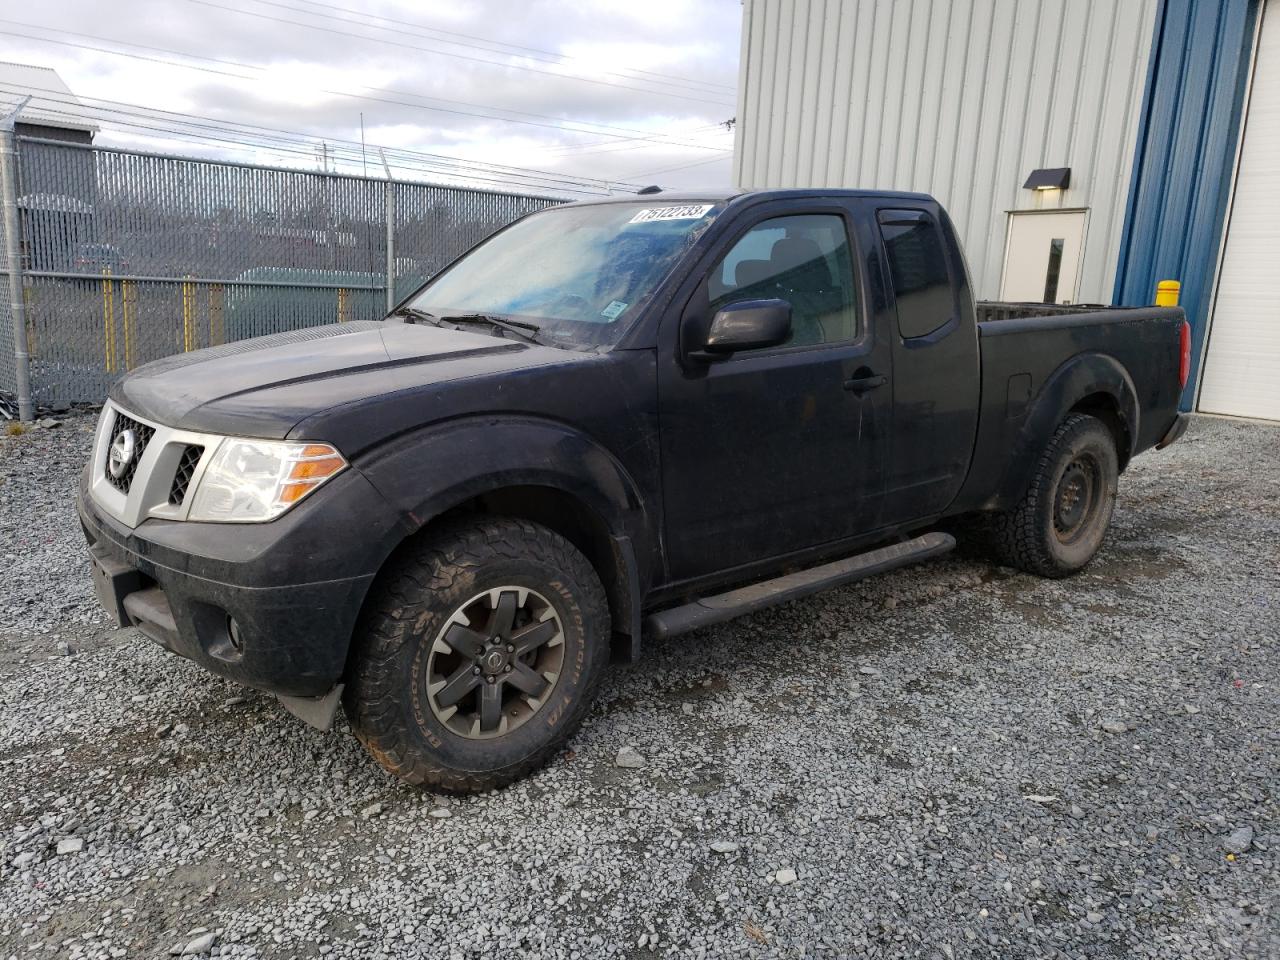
(233, 633)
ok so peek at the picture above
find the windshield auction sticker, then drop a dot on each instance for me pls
(694, 211)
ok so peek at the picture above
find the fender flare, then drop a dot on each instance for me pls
(1082, 376)
(428, 472)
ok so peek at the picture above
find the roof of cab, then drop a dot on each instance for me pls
(724, 195)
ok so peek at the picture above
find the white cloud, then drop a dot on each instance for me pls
(623, 58)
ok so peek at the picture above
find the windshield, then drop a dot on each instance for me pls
(578, 273)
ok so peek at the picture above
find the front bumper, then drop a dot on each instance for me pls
(272, 606)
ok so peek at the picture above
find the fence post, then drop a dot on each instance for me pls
(391, 234)
(13, 259)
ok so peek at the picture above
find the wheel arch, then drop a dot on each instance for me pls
(610, 554)
(1105, 407)
(1090, 383)
(543, 472)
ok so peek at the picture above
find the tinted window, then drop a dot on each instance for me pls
(918, 269)
(804, 260)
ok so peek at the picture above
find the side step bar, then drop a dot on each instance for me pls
(735, 603)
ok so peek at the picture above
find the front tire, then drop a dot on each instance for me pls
(1062, 519)
(478, 655)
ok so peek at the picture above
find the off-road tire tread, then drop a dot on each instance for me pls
(1015, 535)
(375, 681)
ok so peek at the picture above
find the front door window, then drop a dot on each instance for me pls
(804, 260)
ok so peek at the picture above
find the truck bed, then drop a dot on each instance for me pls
(1026, 347)
(993, 311)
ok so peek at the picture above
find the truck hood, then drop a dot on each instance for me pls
(265, 386)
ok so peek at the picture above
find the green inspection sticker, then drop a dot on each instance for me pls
(613, 310)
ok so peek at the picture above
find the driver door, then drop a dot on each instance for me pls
(775, 450)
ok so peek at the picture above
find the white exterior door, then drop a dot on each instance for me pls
(1242, 365)
(1042, 256)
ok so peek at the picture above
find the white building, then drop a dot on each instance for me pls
(1149, 126)
(52, 113)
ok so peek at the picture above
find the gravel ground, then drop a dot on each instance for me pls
(950, 761)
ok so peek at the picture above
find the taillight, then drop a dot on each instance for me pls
(1184, 350)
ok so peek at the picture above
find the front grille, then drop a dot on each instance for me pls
(191, 455)
(142, 436)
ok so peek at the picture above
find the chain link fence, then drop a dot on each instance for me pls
(127, 257)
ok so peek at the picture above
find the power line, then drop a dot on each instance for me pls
(536, 53)
(557, 59)
(202, 126)
(559, 125)
(683, 166)
(271, 133)
(171, 133)
(624, 141)
(514, 46)
(458, 56)
(620, 148)
(466, 178)
(343, 159)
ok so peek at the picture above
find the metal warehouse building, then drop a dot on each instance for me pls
(1086, 149)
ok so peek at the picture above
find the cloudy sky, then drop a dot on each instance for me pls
(636, 91)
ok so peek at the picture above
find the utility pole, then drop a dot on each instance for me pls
(13, 260)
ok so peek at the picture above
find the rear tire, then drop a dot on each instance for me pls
(478, 655)
(1062, 519)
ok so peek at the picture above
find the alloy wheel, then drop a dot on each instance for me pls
(495, 662)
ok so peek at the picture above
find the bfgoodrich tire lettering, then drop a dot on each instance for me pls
(388, 698)
(1062, 519)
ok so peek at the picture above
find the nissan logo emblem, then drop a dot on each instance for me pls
(123, 449)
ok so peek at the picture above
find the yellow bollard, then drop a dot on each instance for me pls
(108, 321)
(127, 299)
(1167, 292)
(188, 317)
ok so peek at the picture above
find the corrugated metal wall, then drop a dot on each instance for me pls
(958, 98)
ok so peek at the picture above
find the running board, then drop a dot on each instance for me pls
(735, 603)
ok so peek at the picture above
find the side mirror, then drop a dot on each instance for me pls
(746, 325)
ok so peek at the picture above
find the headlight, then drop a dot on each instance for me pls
(249, 481)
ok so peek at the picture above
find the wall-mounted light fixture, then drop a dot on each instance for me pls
(1052, 178)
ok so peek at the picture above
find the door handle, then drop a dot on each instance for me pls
(864, 383)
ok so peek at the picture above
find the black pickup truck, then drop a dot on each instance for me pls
(609, 421)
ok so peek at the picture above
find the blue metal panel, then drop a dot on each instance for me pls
(1182, 167)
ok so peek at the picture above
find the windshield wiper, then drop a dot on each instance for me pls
(520, 328)
(413, 315)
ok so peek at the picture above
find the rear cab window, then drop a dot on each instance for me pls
(918, 271)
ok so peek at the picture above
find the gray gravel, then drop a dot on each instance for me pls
(952, 761)
(45, 600)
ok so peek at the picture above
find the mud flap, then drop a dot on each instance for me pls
(317, 712)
